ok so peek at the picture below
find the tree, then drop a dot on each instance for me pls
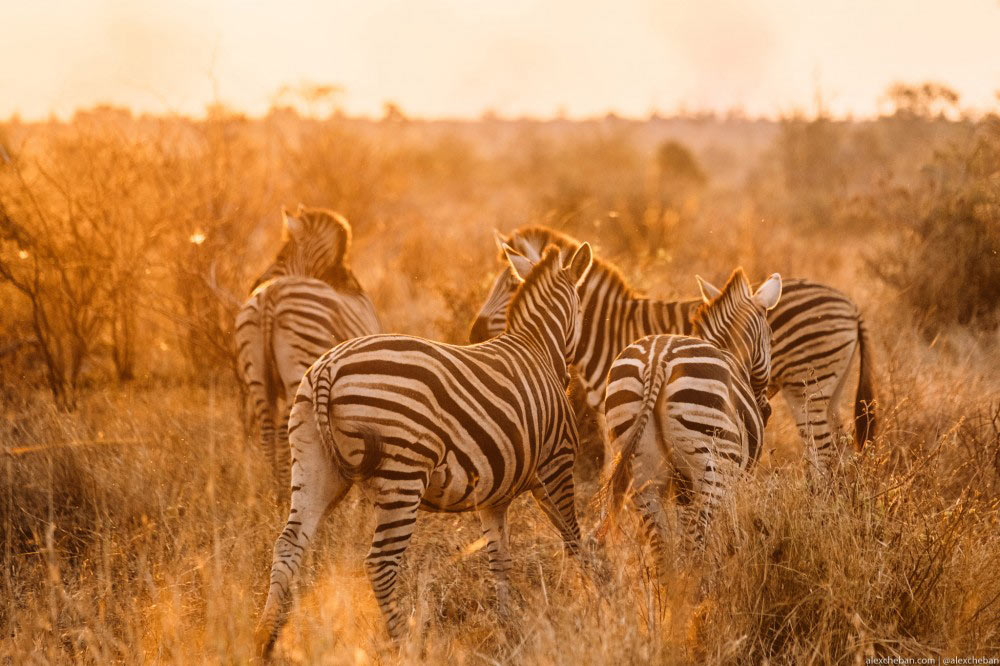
(924, 101)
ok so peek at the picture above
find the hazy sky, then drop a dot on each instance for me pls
(460, 57)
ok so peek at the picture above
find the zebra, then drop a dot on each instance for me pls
(290, 320)
(438, 427)
(816, 332)
(687, 410)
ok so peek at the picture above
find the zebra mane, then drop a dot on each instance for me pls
(737, 288)
(551, 256)
(531, 239)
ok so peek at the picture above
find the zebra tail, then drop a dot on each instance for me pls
(612, 494)
(268, 381)
(864, 404)
(373, 445)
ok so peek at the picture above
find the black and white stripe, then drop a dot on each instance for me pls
(438, 427)
(687, 410)
(817, 331)
(292, 318)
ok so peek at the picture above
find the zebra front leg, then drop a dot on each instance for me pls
(494, 522)
(595, 400)
(557, 498)
(317, 487)
(395, 516)
(602, 427)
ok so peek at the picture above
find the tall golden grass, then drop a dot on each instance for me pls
(137, 516)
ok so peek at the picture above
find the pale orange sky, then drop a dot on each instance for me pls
(461, 57)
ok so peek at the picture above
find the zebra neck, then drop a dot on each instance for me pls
(653, 317)
(739, 365)
(542, 340)
(728, 339)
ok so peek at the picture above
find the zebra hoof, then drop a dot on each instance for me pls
(263, 641)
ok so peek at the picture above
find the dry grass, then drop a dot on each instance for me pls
(138, 527)
(149, 540)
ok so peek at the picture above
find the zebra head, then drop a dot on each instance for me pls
(316, 244)
(546, 304)
(530, 242)
(735, 319)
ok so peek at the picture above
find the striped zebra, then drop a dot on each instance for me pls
(438, 427)
(816, 332)
(290, 320)
(687, 410)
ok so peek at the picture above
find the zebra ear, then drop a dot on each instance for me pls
(292, 224)
(580, 263)
(520, 265)
(708, 291)
(500, 240)
(768, 294)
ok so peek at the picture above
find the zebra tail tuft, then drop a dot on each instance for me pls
(373, 450)
(612, 493)
(370, 459)
(864, 404)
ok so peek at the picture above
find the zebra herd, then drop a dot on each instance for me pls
(430, 426)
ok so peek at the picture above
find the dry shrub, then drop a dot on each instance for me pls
(78, 234)
(881, 565)
(944, 261)
(590, 176)
(814, 177)
(98, 503)
(334, 164)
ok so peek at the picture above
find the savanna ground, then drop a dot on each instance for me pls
(136, 512)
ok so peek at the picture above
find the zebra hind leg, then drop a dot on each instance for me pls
(494, 522)
(648, 500)
(811, 406)
(395, 519)
(281, 462)
(317, 488)
(707, 490)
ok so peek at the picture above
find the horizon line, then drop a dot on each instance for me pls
(732, 114)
